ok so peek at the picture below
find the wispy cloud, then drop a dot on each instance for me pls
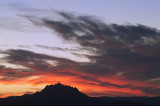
(123, 56)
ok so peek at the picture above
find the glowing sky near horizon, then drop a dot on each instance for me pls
(109, 45)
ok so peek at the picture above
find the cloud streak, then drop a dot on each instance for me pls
(122, 57)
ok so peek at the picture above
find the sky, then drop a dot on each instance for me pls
(102, 47)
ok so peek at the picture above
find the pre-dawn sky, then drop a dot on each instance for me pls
(103, 47)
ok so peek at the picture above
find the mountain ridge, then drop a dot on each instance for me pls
(61, 95)
(140, 99)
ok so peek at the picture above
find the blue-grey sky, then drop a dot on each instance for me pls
(122, 11)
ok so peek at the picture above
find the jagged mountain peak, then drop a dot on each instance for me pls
(59, 86)
(60, 91)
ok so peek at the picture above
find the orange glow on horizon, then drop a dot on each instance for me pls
(87, 87)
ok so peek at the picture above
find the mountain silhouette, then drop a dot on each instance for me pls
(60, 92)
(62, 95)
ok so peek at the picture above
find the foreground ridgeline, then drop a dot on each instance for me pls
(63, 95)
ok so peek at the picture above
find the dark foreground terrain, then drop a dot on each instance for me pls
(62, 95)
